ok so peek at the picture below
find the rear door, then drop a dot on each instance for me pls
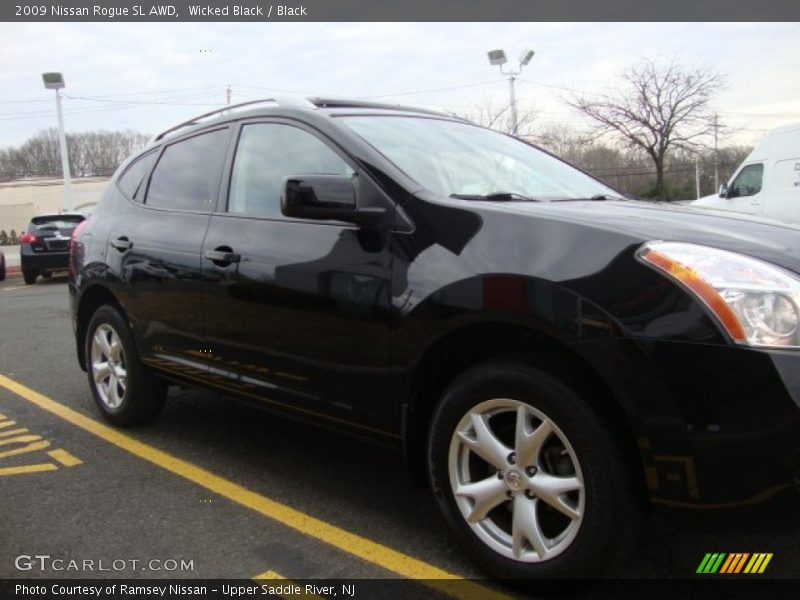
(298, 315)
(155, 246)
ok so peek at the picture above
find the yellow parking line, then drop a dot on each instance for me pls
(5, 424)
(19, 439)
(38, 468)
(273, 576)
(29, 448)
(65, 458)
(13, 432)
(351, 543)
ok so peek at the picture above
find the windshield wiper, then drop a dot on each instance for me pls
(495, 197)
(595, 198)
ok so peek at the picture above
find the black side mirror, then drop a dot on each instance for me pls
(325, 197)
(723, 190)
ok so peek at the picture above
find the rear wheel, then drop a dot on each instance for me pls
(125, 391)
(530, 479)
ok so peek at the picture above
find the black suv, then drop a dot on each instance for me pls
(44, 247)
(552, 359)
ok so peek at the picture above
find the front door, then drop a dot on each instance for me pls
(296, 310)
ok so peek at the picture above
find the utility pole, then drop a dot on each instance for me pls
(716, 156)
(498, 58)
(228, 96)
(697, 176)
(55, 81)
(513, 97)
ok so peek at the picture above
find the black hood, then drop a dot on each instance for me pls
(773, 241)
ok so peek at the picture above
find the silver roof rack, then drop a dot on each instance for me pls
(288, 101)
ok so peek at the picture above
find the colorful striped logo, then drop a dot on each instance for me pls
(733, 563)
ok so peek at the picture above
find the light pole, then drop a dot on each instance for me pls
(498, 58)
(55, 81)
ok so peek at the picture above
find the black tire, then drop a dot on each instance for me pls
(131, 396)
(2, 267)
(29, 276)
(47, 275)
(603, 526)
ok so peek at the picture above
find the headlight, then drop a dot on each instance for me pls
(757, 303)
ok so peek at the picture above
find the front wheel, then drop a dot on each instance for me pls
(530, 479)
(125, 391)
(29, 276)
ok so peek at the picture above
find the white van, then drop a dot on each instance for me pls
(768, 181)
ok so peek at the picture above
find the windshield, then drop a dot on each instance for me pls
(452, 158)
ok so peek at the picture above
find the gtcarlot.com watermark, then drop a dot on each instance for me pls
(55, 564)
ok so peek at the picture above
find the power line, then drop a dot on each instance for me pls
(430, 91)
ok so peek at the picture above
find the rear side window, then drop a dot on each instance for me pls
(131, 181)
(187, 175)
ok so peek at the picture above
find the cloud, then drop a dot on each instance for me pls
(189, 65)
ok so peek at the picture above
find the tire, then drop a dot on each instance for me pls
(125, 391)
(2, 267)
(29, 276)
(568, 457)
(47, 275)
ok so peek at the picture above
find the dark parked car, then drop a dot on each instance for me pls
(2, 266)
(44, 247)
(551, 358)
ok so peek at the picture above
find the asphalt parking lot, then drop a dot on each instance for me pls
(219, 489)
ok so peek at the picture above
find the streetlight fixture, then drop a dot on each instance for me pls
(498, 58)
(55, 81)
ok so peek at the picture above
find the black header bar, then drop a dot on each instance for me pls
(405, 10)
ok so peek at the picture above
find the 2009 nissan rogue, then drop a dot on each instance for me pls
(552, 359)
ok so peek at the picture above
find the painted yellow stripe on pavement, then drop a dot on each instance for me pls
(65, 458)
(273, 576)
(33, 447)
(38, 468)
(351, 543)
(13, 432)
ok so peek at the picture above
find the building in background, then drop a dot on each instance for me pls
(23, 198)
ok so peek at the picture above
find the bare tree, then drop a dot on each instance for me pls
(658, 107)
(93, 153)
(498, 118)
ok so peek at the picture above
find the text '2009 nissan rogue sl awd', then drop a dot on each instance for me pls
(552, 359)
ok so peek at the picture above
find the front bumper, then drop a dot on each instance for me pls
(718, 426)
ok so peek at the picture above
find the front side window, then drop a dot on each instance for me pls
(747, 182)
(454, 158)
(187, 175)
(266, 155)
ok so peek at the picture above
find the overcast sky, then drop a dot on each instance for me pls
(150, 76)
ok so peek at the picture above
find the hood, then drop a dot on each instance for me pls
(770, 240)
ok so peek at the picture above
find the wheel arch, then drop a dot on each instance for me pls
(459, 350)
(91, 299)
